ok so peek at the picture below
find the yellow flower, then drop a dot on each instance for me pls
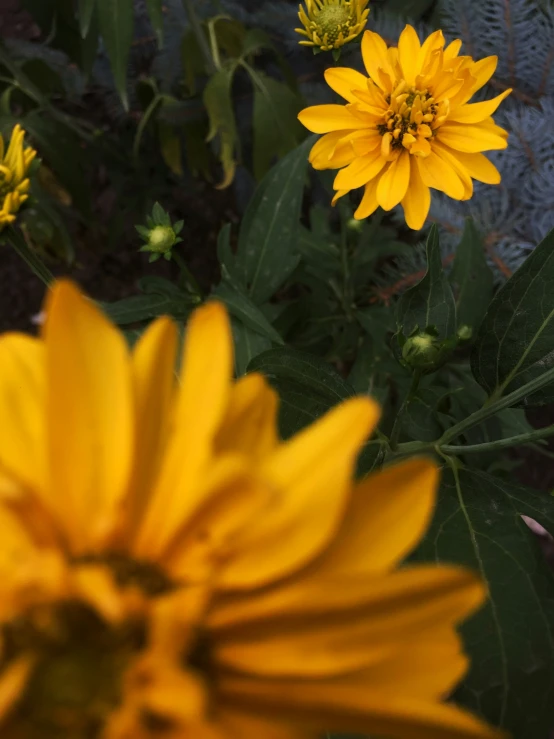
(14, 183)
(409, 127)
(329, 24)
(169, 569)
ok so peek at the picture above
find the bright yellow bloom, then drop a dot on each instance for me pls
(14, 183)
(409, 127)
(329, 24)
(170, 570)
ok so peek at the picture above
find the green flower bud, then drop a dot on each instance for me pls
(465, 333)
(161, 239)
(422, 351)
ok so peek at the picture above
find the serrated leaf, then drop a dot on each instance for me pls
(86, 9)
(145, 307)
(248, 344)
(116, 26)
(515, 343)
(471, 278)
(275, 122)
(511, 640)
(267, 250)
(219, 105)
(240, 306)
(429, 304)
(155, 14)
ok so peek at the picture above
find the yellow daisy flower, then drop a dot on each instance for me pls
(14, 183)
(329, 24)
(408, 127)
(169, 569)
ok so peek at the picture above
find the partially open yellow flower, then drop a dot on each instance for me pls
(409, 127)
(14, 183)
(170, 570)
(329, 24)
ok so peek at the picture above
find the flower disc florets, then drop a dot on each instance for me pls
(329, 24)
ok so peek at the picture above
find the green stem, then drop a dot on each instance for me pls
(490, 409)
(16, 240)
(500, 443)
(398, 421)
(188, 5)
(187, 274)
(345, 272)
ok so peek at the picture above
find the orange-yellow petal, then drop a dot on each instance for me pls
(472, 138)
(368, 204)
(417, 200)
(374, 53)
(408, 53)
(394, 181)
(320, 457)
(361, 171)
(477, 112)
(326, 118)
(89, 414)
(343, 80)
(438, 174)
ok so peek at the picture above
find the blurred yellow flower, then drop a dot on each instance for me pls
(169, 569)
(14, 183)
(409, 126)
(329, 24)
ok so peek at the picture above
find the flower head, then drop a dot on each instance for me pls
(160, 235)
(329, 24)
(408, 127)
(14, 183)
(170, 569)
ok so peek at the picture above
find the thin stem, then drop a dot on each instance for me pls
(543, 433)
(345, 271)
(498, 405)
(188, 5)
(187, 274)
(398, 421)
(16, 240)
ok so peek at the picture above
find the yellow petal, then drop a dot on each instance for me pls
(437, 173)
(480, 72)
(343, 80)
(250, 424)
(320, 457)
(432, 44)
(393, 183)
(471, 138)
(408, 53)
(477, 112)
(452, 50)
(326, 118)
(374, 53)
(237, 725)
(22, 409)
(153, 367)
(90, 415)
(417, 201)
(360, 620)
(368, 204)
(202, 401)
(351, 705)
(478, 167)
(322, 152)
(360, 172)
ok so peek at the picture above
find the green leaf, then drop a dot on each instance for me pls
(224, 252)
(471, 278)
(86, 8)
(277, 129)
(219, 105)
(322, 258)
(240, 306)
(248, 344)
(170, 147)
(116, 26)
(267, 249)
(429, 305)
(155, 14)
(511, 640)
(145, 307)
(515, 343)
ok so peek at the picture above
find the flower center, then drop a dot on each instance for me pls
(77, 680)
(333, 20)
(409, 121)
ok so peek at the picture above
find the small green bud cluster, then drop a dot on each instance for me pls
(424, 350)
(159, 234)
